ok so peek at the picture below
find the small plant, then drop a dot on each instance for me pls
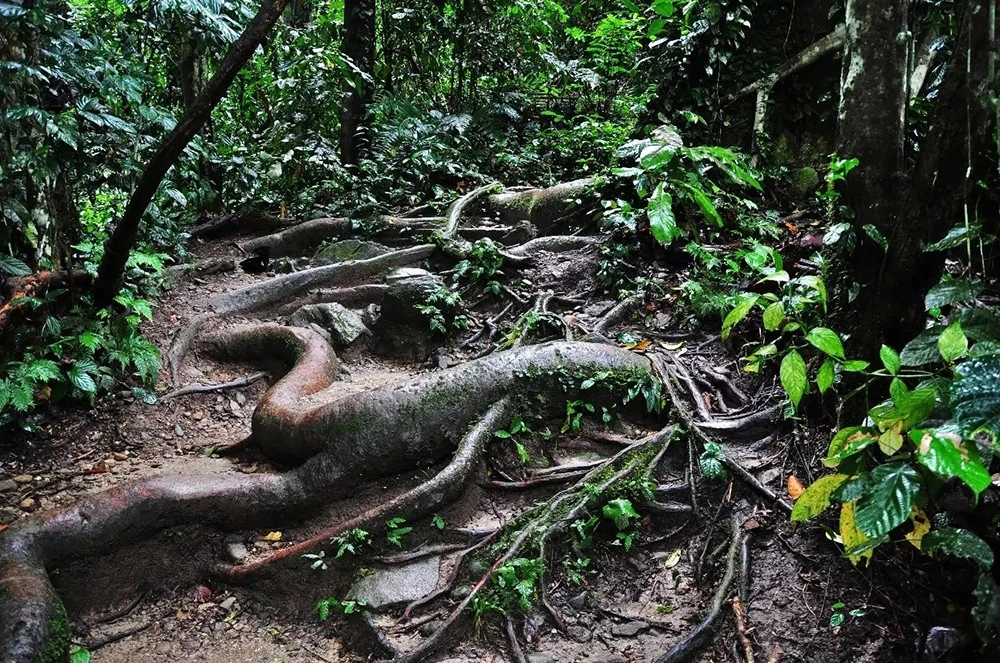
(441, 309)
(350, 541)
(318, 560)
(512, 586)
(575, 410)
(712, 461)
(837, 617)
(576, 569)
(396, 529)
(517, 427)
(437, 521)
(78, 654)
(621, 512)
(346, 607)
(584, 532)
(482, 265)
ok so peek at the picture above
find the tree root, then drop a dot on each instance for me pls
(690, 645)
(454, 215)
(553, 244)
(425, 498)
(355, 296)
(350, 438)
(542, 208)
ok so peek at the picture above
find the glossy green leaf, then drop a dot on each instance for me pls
(816, 498)
(975, 398)
(955, 237)
(888, 505)
(955, 291)
(952, 344)
(855, 365)
(923, 349)
(774, 315)
(738, 313)
(986, 612)
(854, 488)
(890, 359)
(946, 454)
(698, 195)
(847, 442)
(826, 341)
(958, 542)
(793, 376)
(662, 223)
(826, 375)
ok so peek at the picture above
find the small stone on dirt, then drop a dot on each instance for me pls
(578, 602)
(120, 455)
(29, 504)
(628, 629)
(7, 485)
(579, 633)
(198, 416)
(228, 603)
(178, 431)
(237, 552)
(240, 398)
(24, 478)
(343, 325)
(398, 584)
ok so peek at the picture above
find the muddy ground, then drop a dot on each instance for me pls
(154, 602)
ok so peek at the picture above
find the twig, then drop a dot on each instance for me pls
(752, 481)
(741, 628)
(118, 614)
(206, 388)
(414, 555)
(121, 635)
(538, 481)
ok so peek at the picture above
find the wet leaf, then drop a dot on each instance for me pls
(794, 487)
(959, 542)
(816, 498)
(946, 454)
(887, 506)
(793, 376)
(975, 397)
(826, 341)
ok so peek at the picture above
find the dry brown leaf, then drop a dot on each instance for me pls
(795, 487)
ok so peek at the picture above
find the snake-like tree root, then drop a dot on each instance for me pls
(340, 441)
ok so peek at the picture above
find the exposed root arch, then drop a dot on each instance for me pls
(350, 439)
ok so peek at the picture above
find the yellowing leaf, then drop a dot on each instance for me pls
(795, 487)
(921, 525)
(272, 536)
(850, 534)
(816, 498)
(891, 441)
(642, 345)
(672, 559)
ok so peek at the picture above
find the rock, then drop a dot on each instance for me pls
(120, 455)
(163, 648)
(430, 628)
(8, 514)
(348, 249)
(539, 657)
(29, 504)
(178, 431)
(402, 331)
(942, 641)
(628, 629)
(237, 552)
(23, 478)
(397, 584)
(579, 602)
(240, 398)
(228, 603)
(7, 485)
(579, 633)
(343, 325)
(198, 416)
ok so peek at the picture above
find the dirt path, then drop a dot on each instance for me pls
(626, 607)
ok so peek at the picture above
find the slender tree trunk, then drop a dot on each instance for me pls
(358, 47)
(116, 251)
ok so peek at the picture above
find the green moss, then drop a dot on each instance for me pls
(804, 182)
(57, 645)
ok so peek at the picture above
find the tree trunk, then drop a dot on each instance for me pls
(952, 157)
(117, 249)
(358, 47)
(871, 122)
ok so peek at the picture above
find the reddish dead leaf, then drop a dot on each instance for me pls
(642, 345)
(792, 228)
(4, 526)
(795, 487)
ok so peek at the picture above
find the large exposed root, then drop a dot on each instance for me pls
(346, 439)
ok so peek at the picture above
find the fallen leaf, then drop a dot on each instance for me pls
(795, 487)
(792, 228)
(273, 536)
(672, 346)
(673, 559)
(642, 345)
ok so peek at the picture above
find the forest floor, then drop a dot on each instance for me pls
(151, 601)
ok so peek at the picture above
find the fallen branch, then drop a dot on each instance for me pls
(208, 388)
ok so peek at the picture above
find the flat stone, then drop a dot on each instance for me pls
(178, 431)
(228, 603)
(579, 602)
(348, 249)
(579, 633)
(628, 629)
(198, 416)
(406, 273)
(342, 324)
(8, 514)
(397, 584)
(24, 478)
(539, 657)
(7, 485)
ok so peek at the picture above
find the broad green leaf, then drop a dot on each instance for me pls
(662, 223)
(793, 376)
(825, 375)
(946, 454)
(895, 487)
(854, 488)
(698, 195)
(975, 398)
(891, 441)
(923, 349)
(890, 359)
(959, 543)
(82, 381)
(980, 324)
(986, 612)
(855, 365)
(78, 654)
(850, 535)
(738, 313)
(816, 498)
(952, 344)
(826, 341)
(774, 315)
(955, 237)
(955, 291)
(13, 267)
(847, 442)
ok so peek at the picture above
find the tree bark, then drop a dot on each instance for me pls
(120, 243)
(871, 123)
(952, 157)
(359, 48)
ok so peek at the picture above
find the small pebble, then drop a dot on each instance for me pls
(29, 504)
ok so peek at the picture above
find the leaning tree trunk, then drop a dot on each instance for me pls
(871, 122)
(117, 249)
(359, 48)
(889, 308)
